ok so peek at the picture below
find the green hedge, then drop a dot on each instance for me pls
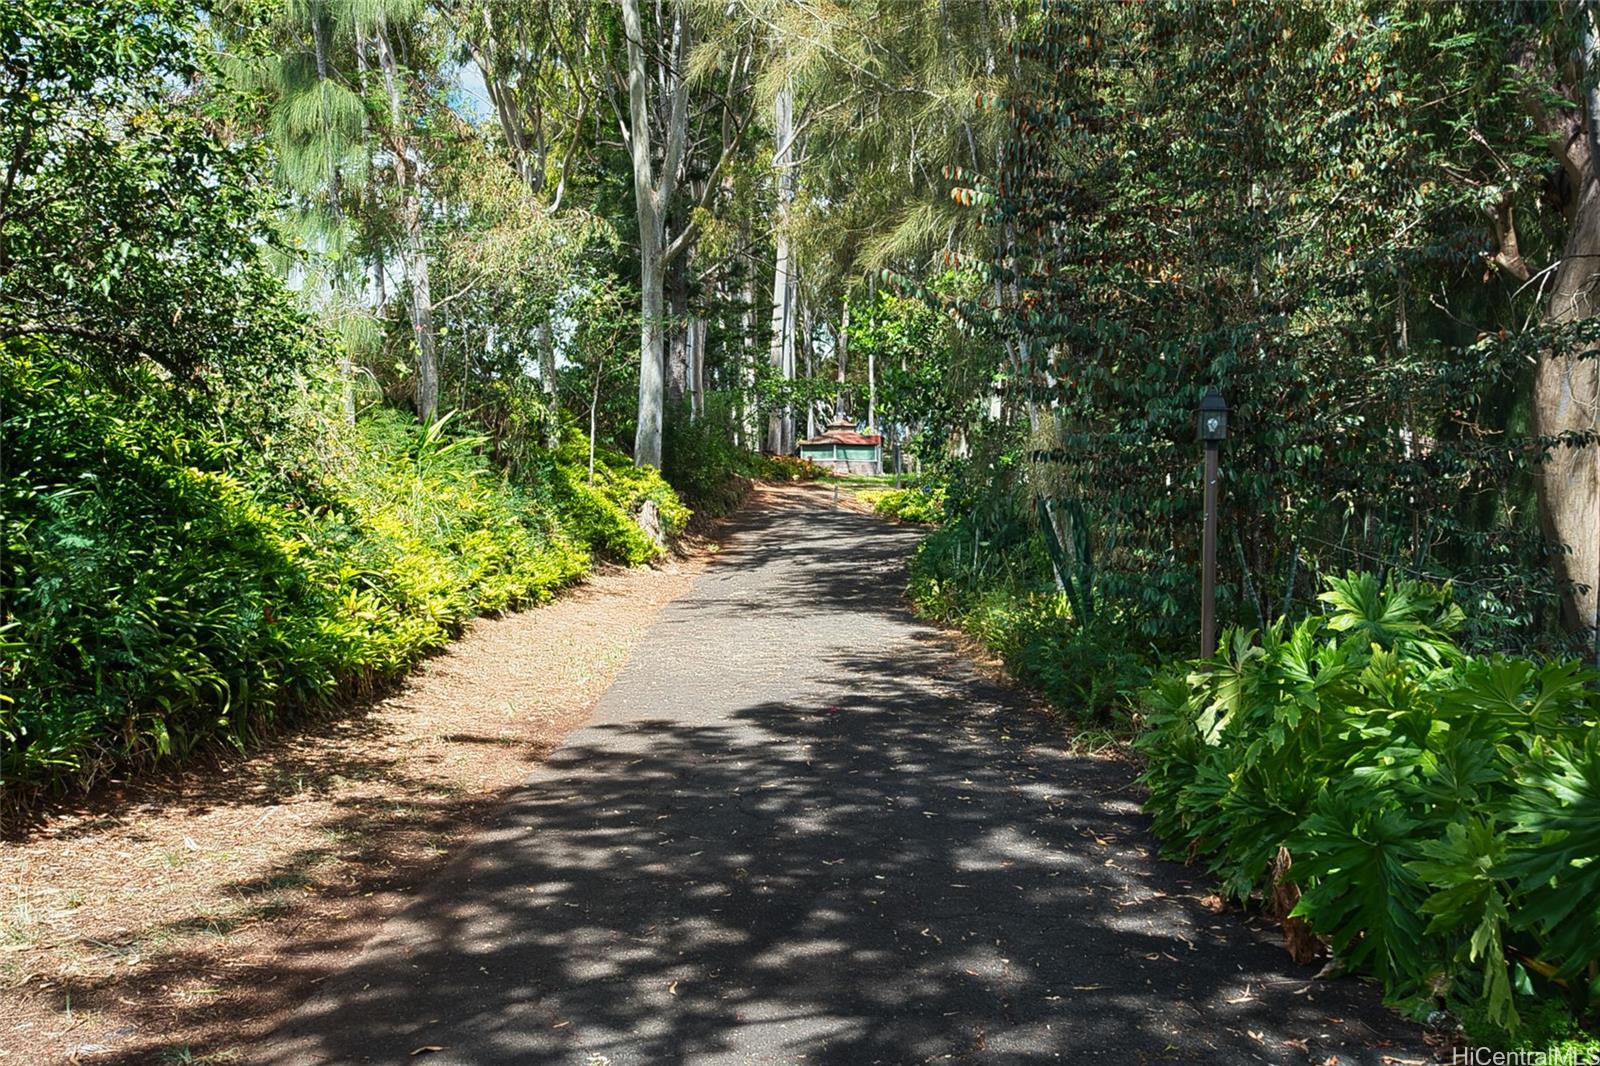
(162, 587)
(1441, 810)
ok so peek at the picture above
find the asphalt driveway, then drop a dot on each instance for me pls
(800, 828)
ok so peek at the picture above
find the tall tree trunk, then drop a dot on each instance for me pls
(422, 326)
(780, 423)
(413, 248)
(547, 380)
(1566, 389)
(678, 332)
(1566, 384)
(652, 199)
(841, 354)
(652, 390)
(748, 428)
(811, 373)
(547, 357)
(697, 368)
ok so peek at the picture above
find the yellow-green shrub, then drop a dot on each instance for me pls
(162, 587)
(603, 512)
(916, 505)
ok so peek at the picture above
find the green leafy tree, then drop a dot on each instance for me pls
(132, 228)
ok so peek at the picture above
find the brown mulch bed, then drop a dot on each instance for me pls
(177, 919)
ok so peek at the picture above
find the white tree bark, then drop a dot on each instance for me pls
(547, 358)
(780, 423)
(811, 373)
(841, 355)
(413, 246)
(749, 431)
(652, 197)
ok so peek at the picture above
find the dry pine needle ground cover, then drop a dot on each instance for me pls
(177, 920)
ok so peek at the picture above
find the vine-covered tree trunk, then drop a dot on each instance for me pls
(1566, 383)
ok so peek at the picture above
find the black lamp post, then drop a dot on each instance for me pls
(1213, 430)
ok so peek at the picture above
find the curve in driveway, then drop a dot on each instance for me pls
(800, 828)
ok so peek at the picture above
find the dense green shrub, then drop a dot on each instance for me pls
(143, 587)
(919, 506)
(701, 460)
(1441, 810)
(987, 571)
(602, 511)
(162, 585)
(764, 467)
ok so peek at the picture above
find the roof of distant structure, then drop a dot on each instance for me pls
(844, 432)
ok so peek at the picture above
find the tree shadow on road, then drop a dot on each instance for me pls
(898, 869)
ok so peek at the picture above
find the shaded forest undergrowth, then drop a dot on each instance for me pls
(208, 596)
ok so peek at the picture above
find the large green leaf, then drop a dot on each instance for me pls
(1556, 861)
(1469, 895)
(1352, 860)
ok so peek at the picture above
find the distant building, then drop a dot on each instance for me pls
(844, 451)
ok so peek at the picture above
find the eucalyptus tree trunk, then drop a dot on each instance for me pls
(696, 330)
(697, 368)
(652, 198)
(422, 326)
(652, 391)
(547, 357)
(679, 340)
(841, 355)
(413, 248)
(748, 429)
(527, 151)
(780, 423)
(805, 343)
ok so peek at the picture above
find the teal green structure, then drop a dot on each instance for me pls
(843, 450)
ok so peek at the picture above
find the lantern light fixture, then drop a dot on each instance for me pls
(1213, 422)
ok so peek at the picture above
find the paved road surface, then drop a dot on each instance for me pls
(800, 829)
